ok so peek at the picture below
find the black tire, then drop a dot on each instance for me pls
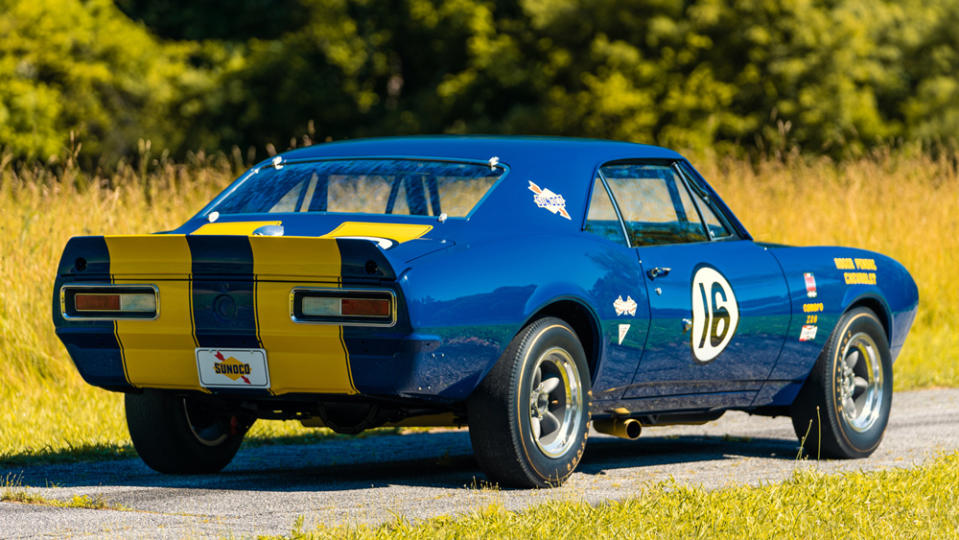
(501, 415)
(824, 421)
(183, 435)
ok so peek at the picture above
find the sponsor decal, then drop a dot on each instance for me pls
(231, 367)
(808, 332)
(623, 330)
(624, 307)
(715, 313)
(859, 278)
(812, 312)
(865, 273)
(843, 263)
(545, 198)
(810, 284)
(846, 263)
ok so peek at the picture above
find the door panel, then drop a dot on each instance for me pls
(718, 318)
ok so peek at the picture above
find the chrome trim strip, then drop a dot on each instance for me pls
(333, 291)
(63, 300)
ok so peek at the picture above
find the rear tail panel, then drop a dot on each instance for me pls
(217, 292)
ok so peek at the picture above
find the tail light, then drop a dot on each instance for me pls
(109, 302)
(343, 306)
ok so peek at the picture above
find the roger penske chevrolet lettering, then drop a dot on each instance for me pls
(529, 288)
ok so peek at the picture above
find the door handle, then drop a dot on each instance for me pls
(658, 271)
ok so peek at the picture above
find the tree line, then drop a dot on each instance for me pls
(836, 77)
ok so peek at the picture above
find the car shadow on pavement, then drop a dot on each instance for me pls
(609, 453)
(441, 460)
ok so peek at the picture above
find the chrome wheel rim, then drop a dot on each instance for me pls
(555, 402)
(208, 429)
(859, 382)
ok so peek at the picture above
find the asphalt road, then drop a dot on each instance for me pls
(422, 475)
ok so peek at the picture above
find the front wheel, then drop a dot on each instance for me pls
(529, 417)
(183, 435)
(843, 408)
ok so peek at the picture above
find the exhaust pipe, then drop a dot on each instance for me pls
(624, 428)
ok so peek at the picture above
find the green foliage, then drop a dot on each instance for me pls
(83, 68)
(835, 77)
(230, 20)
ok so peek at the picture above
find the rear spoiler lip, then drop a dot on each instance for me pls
(87, 258)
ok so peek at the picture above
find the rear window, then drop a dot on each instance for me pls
(364, 186)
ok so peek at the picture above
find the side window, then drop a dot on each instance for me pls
(602, 219)
(655, 204)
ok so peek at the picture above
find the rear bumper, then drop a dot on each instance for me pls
(314, 360)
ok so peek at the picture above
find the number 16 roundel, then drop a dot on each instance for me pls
(715, 314)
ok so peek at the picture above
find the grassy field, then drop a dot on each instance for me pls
(895, 503)
(902, 204)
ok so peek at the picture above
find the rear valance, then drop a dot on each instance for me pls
(277, 258)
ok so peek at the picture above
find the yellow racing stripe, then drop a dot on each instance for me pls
(302, 357)
(281, 258)
(400, 232)
(160, 353)
(157, 353)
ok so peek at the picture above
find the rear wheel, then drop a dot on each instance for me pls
(183, 435)
(529, 417)
(843, 409)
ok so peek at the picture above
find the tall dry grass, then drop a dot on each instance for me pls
(904, 204)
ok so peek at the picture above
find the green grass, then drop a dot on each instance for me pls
(13, 492)
(921, 502)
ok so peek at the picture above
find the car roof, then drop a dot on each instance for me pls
(563, 165)
(515, 150)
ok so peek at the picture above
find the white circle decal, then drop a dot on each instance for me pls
(715, 314)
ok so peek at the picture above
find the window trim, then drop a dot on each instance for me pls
(668, 163)
(612, 199)
(696, 189)
(251, 172)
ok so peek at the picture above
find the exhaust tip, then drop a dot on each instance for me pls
(624, 428)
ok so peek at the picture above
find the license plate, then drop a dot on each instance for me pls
(232, 368)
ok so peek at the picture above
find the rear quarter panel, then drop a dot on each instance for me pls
(475, 296)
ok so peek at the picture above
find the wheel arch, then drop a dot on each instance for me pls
(582, 319)
(875, 304)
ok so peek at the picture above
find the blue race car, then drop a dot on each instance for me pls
(525, 287)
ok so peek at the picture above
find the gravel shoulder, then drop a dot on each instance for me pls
(422, 475)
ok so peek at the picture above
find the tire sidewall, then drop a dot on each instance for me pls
(861, 443)
(164, 439)
(543, 335)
